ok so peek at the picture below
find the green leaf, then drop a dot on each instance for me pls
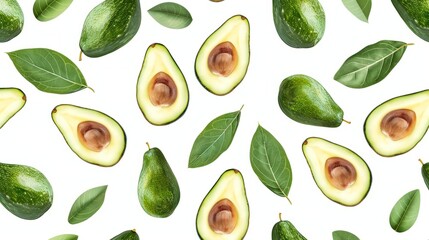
(127, 235)
(343, 235)
(404, 213)
(270, 162)
(45, 10)
(87, 204)
(214, 139)
(65, 237)
(371, 64)
(48, 70)
(171, 15)
(359, 8)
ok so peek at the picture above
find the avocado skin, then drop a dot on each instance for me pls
(415, 14)
(11, 20)
(299, 23)
(305, 100)
(285, 230)
(158, 189)
(127, 235)
(425, 174)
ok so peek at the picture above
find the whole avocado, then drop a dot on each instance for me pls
(11, 20)
(415, 15)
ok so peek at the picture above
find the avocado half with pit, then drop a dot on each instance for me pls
(94, 136)
(341, 174)
(224, 212)
(396, 126)
(162, 90)
(223, 58)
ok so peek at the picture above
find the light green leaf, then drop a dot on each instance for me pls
(404, 213)
(359, 8)
(371, 64)
(87, 204)
(343, 235)
(48, 70)
(171, 15)
(45, 10)
(215, 139)
(270, 162)
(65, 237)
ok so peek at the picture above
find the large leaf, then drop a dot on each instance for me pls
(270, 162)
(404, 213)
(359, 8)
(65, 237)
(87, 204)
(371, 64)
(48, 70)
(343, 235)
(45, 10)
(214, 139)
(171, 15)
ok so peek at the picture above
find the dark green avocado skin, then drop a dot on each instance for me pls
(285, 230)
(11, 22)
(415, 14)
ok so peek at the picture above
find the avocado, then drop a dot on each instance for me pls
(162, 90)
(396, 126)
(224, 212)
(425, 172)
(11, 20)
(11, 101)
(415, 15)
(24, 191)
(299, 23)
(158, 189)
(109, 26)
(285, 230)
(127, 235)
(305, 100)
(341, 174)
(223, 58)
(94, 136)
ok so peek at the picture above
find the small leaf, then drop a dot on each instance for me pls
(87, 204)
(45, 10)
(214, 139)
(371, 64)
(127, 235)
(65, 237)
(171, 15)
(270, 162)
(343, 235)
(48, 70)
(359, 8)
(404, 213)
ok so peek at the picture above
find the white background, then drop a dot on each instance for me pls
(31, 137)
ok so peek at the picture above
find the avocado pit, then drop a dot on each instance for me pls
(223, 59)
(340, 172)
(162, 90)
(223, 217)
(93, 135)
(398, 124)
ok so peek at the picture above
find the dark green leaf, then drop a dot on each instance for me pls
(214, 139)
(48, 70)
(171, 15)
(127, 235)
(65, 237)
(87, 204)
(404, 213)
(359, 8)
(371, 64)
(343, 235)
(270, 162)
(45, 10)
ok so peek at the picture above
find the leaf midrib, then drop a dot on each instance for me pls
(270, 167)
(405, 211)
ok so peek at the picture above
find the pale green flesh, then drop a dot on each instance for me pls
(11, 101)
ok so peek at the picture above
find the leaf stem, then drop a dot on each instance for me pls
(241, 108)
(288, 200)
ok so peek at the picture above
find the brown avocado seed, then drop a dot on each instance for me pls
(93, 135)
(162, 90)
(398, 124)
(223, 59)
(340, 172)
(223, 217)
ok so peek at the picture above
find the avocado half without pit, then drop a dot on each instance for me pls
(94, 136)
(341, 174)
(223, 58)
(11, 101)
(396, 126)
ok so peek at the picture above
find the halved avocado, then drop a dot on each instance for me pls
(94, 136)
(223, 58)
(396, 126)
(341, 174)
(162, 91)
(11, 101)
(224, 212)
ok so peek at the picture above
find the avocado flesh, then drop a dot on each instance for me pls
(406, 120)
(222, 61)
(11, 101)
(11, 20)
(94, 136)
(162, 90)
(224, 212)
(341, 174)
